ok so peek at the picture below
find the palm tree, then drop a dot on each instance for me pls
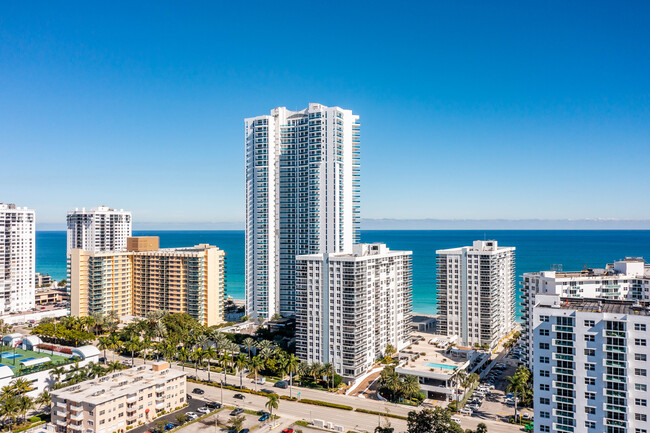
(256, 364)
(248, 343)
(272, 403)
(44, 400)
(225, 362)
(25, 403)
(516, 385)
(292, 364)
(210, 354)
(104, 344)
(460, 378)
(410, 385)
(132, 346)
(10, 407)
(114, 343)
(314, 371)
(22, 386)
(328, 371)
(114, 366)
(240, 363)
(197, 355)
(183, 354)
(58, 372)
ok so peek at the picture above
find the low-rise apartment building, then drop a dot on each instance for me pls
(349, 307)
(591, 365)
(146, 278)
(119, 401)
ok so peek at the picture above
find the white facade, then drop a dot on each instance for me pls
(591, 358)
(17, 260)
(476, 292)
(627, 279)
(349, 307)
(98, 229)
(302, 190)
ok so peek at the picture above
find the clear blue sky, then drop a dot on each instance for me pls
(469, 109)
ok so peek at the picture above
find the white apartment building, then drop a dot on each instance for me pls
(17, 260)
(119, 401)
(476, 292)
(591, 357)
(98, 229)
(349, 307)
(302, 195)
(627, 279)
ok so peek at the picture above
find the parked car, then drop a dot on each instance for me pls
(191, 416)
(239, 396)
(189, 397)
(527, 416)
(204, 410)
(281, 384)
(260, 380)
(510, 395)
(529, 427)
(170, 426)
(236, 411)
(244, 430)
(198, 391)
(268, 391)
(456, 420)
(466, 411)
(213, 405)
(264, 417)
(474, 407)
(287, 430)
(478, 394)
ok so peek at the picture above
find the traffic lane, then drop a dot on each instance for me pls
(193, 405)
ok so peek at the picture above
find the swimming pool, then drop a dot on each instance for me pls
(445, 366)
(9, 355)
(26, 359)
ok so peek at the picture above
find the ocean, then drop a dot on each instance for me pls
(537, 250)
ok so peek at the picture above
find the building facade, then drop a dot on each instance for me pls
(146, 278)
(349, 307)
(302, 194)
(476, 292)
(119, 401)
(98, 229)
(627, 279)
(17, 260)
(591, 357)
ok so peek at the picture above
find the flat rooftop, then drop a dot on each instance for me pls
(598, 305)
(432, 358)
(119, 384)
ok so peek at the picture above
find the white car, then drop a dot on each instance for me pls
(191, 416)
(204, 410)
(456, 420)
(527, 416)
(478, 394)
(260, 380)
(466, 411)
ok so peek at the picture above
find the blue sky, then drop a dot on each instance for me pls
(471, 110)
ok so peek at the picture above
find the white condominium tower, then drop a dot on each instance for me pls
(17, 261)
(592, 359)
(349, 307)
(476, 292)
(98, 229)
(302, 193)
(627, 279)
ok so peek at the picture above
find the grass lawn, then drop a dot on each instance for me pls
(7, 357)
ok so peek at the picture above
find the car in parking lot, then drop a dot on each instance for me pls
(287, 430)
(466, 411)
(198, 391)
(264, 417)
(170, 426)
(239, 396)
(456, 420)
(204, 410)
(213, 405)
(474, 407)
(191, 416)
(236, 411)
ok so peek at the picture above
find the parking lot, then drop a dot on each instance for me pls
(193, 405)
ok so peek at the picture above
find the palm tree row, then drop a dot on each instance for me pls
(398, 385)
(15, 403)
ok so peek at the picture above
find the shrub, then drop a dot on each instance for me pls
(374, 412)
(34, 419)
(452, 406)
(326, 404)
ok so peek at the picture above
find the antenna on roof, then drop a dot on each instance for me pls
(557, 267)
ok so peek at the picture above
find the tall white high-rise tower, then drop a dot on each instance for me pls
(17, 261)
(302, 197)
(98, 229)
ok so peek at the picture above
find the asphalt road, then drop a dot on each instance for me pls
(193, 405)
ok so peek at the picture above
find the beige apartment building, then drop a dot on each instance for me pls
(146, 278)
(119, 401)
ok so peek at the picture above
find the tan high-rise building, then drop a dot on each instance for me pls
(146, 278)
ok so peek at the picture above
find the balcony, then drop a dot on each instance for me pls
(77, 416)
(131, 398)
(76, 406)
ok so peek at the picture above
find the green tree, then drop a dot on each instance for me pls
(249, 343)
(133, 345)
(43, 400)
(272, 403)
(240, 363)
(410, 386)
(292, 366)
(256, 364)
(237, 422)
(437, 420)
(517, 383)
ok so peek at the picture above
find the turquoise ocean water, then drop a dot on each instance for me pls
(537, 250)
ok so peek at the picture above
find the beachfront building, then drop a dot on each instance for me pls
(119, 401)
(98, 229)
(591, 364)
(302, 192)
(627, 279)
(476, 293)
(17, 260)
(349, 307)
(147, 278)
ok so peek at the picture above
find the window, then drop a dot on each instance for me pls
(640, 417)
(543, 318)
(544, 332)
(545, 346)
(545, 373)
(640, 430)
(640, 357)
(640, 372)
(639, 341)
(590, 323)
(545, 414)
(590, 337)
(590, 352)
(640, 387)
(590, 410)
(544, 387)
(641, 402)
(639, 327)
(590, 366)
(590, 381)
(590, 424)
(544, 360)
(544, 400)
(590, 395)
(544, 428)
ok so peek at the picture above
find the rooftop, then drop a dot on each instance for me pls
(431, 356)
(597, 305)
(122, 383)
